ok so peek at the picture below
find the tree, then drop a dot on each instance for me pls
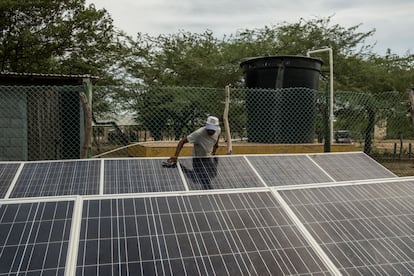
(173, 111)
(186, 59)
(66, 37)
(182, 59)
(63, 37)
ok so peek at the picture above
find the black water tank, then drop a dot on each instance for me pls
(286, 113)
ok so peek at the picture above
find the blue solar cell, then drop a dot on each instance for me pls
(140, 175)
(58, 178)
(7, 173)
(278, 170)
(219, 173)
(351, 166)
(34, 237)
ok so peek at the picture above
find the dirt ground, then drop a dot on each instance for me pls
(395, 156)
(403, 167)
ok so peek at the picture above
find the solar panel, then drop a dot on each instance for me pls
(140, 175)
(351, 166)
(365, 229)
(219, 173)
(34, 237)
(277, 170)
(7, 173)
(199, 218)
(58, 178)
(214, 234)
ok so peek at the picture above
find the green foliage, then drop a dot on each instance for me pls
(191, 59)
(173, 111)
(387, 109)
(68, 37)
(182, 59)
(50, 36)
(374, 74)
(62, 37)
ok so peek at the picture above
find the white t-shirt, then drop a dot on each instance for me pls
(203, 143)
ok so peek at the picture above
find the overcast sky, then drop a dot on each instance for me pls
(393, 20)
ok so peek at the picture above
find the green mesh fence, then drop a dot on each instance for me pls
(42, 123)
(372, 123)
(51, 122)
(289, 115)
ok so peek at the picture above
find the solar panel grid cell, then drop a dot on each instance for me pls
(34, 237)
(219, 173)
(351, 166)
(365, 229)
(226, 234)
(288, 170)
(58, 178)
(139, 176)
(7, 173)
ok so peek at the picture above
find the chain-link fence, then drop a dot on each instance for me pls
(378, 124)
(287, 116)
(43, 122)
(49, 122)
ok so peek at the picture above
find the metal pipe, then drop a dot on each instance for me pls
(331, 113)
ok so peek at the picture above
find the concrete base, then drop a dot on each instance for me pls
(165, 149)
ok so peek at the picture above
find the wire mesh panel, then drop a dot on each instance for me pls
(50, 122)
(285, 115)
(280, 115)
(41, 122)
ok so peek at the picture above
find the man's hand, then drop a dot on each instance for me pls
(215, 147)
(171, 162)
(173, 159)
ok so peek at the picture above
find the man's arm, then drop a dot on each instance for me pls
(180, 145)
(215, 147)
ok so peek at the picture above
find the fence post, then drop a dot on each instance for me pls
(395, 151)
(328, 136)
(411, 99)
(226, 119)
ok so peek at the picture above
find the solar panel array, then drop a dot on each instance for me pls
(296, 214)
(364, 229)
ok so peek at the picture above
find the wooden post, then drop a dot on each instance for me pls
(226, 119)
(411, 99)
(85, 149)
(395, 150)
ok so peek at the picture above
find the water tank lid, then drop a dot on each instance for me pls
(250, 60)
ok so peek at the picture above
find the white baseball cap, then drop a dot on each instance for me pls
(212, 123)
